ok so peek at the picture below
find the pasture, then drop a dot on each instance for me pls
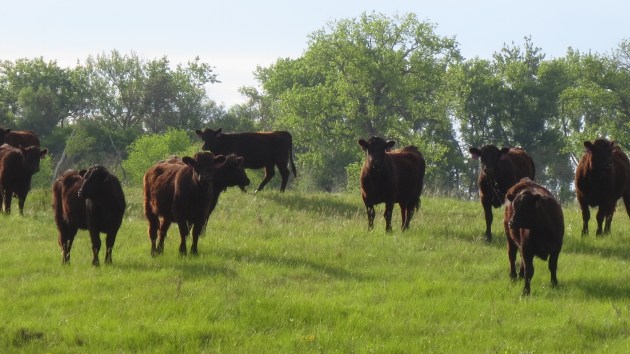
(299, 273)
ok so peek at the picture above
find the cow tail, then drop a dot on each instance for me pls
(291, 159)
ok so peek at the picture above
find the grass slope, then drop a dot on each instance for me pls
(280, 273)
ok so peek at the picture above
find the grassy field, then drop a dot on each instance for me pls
(299, 273)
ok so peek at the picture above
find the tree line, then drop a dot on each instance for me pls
(390, 76)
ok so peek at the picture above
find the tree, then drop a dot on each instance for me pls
(37, 95)
(360, 77)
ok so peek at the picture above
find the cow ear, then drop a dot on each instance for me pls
(7, 130)
(43, 153)
(218, 132)
(390, 144)
(588, 145)
(82, 172)
(199, 133)
(364, 144)
(476, 153)
(188, 160)
(241, 161)
(220, 159)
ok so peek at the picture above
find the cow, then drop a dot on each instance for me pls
(17, 167)
(18, 138)
(259, 150)
(181, 192)
(601, 178)
(92, 200)
(500, 170)
(228, 174)
(534, 225)
(391, 177)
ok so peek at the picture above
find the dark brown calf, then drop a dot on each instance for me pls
(500, 170)
(534, 224)
(18, 138)
(90, 200)
(391, 177)
(259, 150)
(17, 167)
(601, 178)
(180, 192)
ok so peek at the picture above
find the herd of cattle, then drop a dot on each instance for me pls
(186, 190)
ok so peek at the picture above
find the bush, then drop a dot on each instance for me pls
(148, 149)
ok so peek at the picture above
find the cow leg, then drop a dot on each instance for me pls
(96, 247)
(21, 201)
(389, 208)
(164, 225)
(553, 267)
(487, 210)
(371, 214)
(183, 232)
(66, 238)
(196, 231)
(528, 261)
(269, 173)
(586, 215)
(512, 249)
(407, 213)
(601, 215)
(7, 201)
(109, 247)
(154, 224)
(284, 174)
(608, 219)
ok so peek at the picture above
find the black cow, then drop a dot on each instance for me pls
(601, 178)
(17, 167)
(90, 200)
(534, 224)
(259, 150)
(391, 177)
(500, 170)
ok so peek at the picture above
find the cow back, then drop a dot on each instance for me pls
(21, 138)
(410, 166)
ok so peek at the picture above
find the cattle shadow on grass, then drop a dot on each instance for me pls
(600, 289)
(189, 268)
(325, 206)
(291, 262)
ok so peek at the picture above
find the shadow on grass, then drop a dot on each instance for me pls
(188, 267)
(292, 262)
(600, 289)
(313, 203)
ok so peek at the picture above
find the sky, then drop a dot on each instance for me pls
(236, 36)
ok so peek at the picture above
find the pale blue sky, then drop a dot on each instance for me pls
(237, 35)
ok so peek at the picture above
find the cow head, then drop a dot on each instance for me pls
(203, 165)
(489, 155)
(375, 149)
(32, 156)
(233, 171)
(210, 138)
(524, 206)
(601, 153)
(94, 179)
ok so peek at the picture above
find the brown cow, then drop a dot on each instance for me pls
(90, 200)
(260, 150)
(601, 178)
(17, 166)
(181, 192)
(17, 138)
(228, 174)
(391, 177)
(534, 224)
(500, 170)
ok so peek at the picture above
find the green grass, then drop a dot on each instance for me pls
(299, 273)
